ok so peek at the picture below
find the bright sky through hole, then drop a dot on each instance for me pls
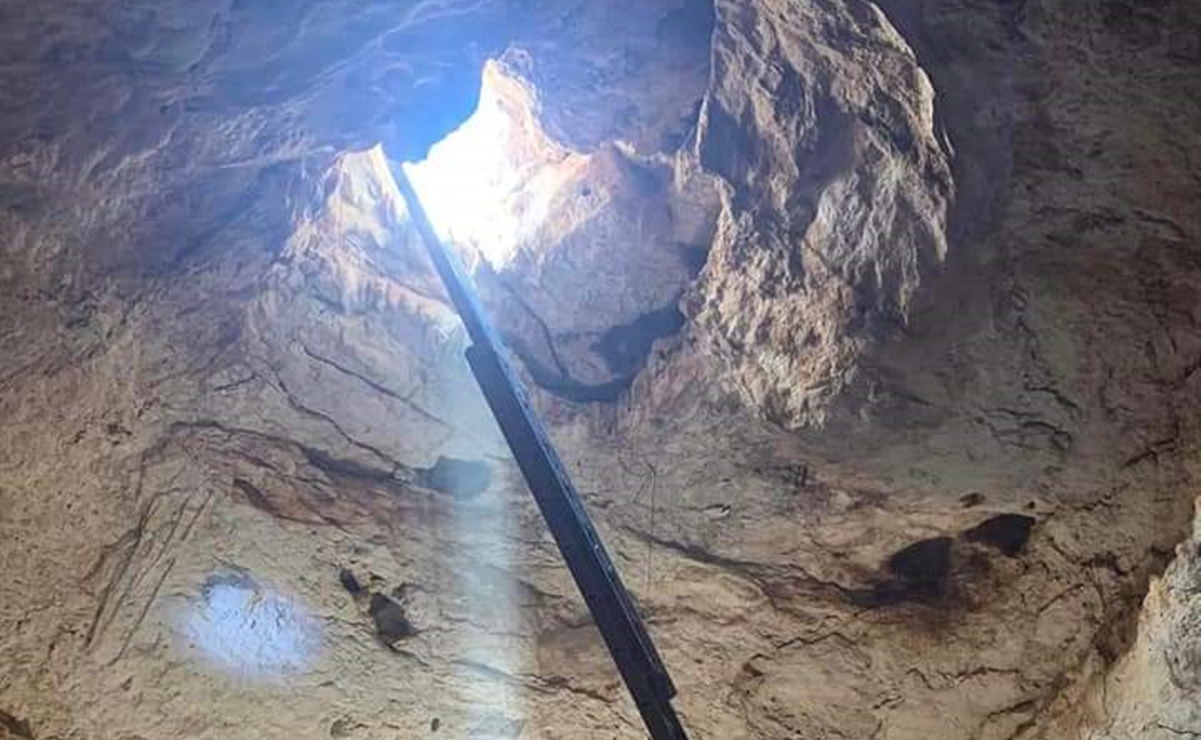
(475, 187)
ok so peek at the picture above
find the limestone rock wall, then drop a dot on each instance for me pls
(1151, 691)
(838, 190)
(917, 459)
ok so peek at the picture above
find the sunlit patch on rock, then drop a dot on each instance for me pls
(242, 628)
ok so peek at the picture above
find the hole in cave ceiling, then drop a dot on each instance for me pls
(584, 288)
(487, 186)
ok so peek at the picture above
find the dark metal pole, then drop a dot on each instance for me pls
(637, 660)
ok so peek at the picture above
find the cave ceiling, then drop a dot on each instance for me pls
(868, 331)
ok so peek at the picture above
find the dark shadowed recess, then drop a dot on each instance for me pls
(920, 572)
(17, 728)
(1006, 532)
(391, 621)
(930, 571)
(624, 349)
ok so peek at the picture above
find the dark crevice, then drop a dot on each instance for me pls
(562, 385)
(255, 496)
(259, 499)
(778, 583)
(17, 728)
(339, 467)
(463, 479)
(968, 500)
(543, 329)
(407, 401)
(980, 158)
(927, 562)
(1006, 532)
(624, 350)
(295, 403)
(920, 572)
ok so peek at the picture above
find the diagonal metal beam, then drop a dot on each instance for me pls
(637, 660)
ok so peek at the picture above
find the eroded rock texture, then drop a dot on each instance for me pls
(1152, 691)
(868, 330)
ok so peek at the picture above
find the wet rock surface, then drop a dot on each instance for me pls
(883, 406)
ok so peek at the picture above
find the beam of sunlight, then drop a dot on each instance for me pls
(490, 647)
(487, 188)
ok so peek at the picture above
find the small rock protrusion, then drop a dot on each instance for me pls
(969, 500)
(391, 622)
(349, 582)
(463, 479)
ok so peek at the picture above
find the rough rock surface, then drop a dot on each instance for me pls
(583, 259)
(917, 459)
(1152, 691)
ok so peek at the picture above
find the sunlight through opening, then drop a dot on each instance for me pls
(488, 185)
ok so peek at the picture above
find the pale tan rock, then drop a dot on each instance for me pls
(1151, 691)
(918, 463)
